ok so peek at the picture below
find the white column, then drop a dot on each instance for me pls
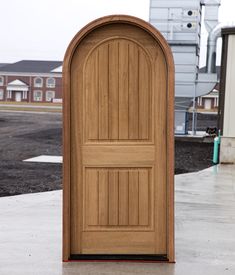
(9, 94)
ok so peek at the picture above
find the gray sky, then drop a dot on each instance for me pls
(43, 29)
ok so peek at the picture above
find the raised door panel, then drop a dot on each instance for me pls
(118, 199)
(118, 94)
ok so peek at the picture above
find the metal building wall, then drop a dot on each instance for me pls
(180, 23)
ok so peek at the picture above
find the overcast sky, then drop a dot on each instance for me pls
(42, 30)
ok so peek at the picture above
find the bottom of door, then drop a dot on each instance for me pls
(118, 257)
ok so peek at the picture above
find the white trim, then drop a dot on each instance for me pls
(17, 82)
(17, 88)
(31, 74)
(58, 69)
(210, 96)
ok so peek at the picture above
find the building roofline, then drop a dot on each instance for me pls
(2, 73)
(227, 31)
(32, 66)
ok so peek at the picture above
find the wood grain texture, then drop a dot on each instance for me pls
(102, 243)
(118, 93)
(154, 45)
(103, 89)
(133, 76)
(103, 197)
(113, 197)
(160, 154)
(133, 198)
(92, 96)
(144, 197)
(113, 90)
(117, 197)
(144, 97)
(123, 213)
(123, 90)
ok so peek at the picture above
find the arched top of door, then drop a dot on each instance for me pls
(113, 19)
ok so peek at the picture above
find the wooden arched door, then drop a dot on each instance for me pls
(118, 141)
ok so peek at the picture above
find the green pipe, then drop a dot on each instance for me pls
(216, 149)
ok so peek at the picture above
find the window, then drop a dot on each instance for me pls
(50, 95)
(1, 80)
(1, 94)
(38, 82)
(51, 82)
(37, 95)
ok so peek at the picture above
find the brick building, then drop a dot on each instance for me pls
(210, 101)
(31, 81)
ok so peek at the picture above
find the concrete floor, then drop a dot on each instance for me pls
(30, 232)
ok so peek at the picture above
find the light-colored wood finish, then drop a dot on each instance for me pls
(118, 140)
(117, 197)
(118, 100)
(102, 242)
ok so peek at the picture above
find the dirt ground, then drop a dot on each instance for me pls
(26, 135)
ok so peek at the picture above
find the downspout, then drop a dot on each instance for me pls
(213, 28)
(211, 49)
(212, 45)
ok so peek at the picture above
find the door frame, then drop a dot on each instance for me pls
(107, 20)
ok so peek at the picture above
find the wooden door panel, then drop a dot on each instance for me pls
(118, 243)
(118, 155)
(118, 105)
(118, 199)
